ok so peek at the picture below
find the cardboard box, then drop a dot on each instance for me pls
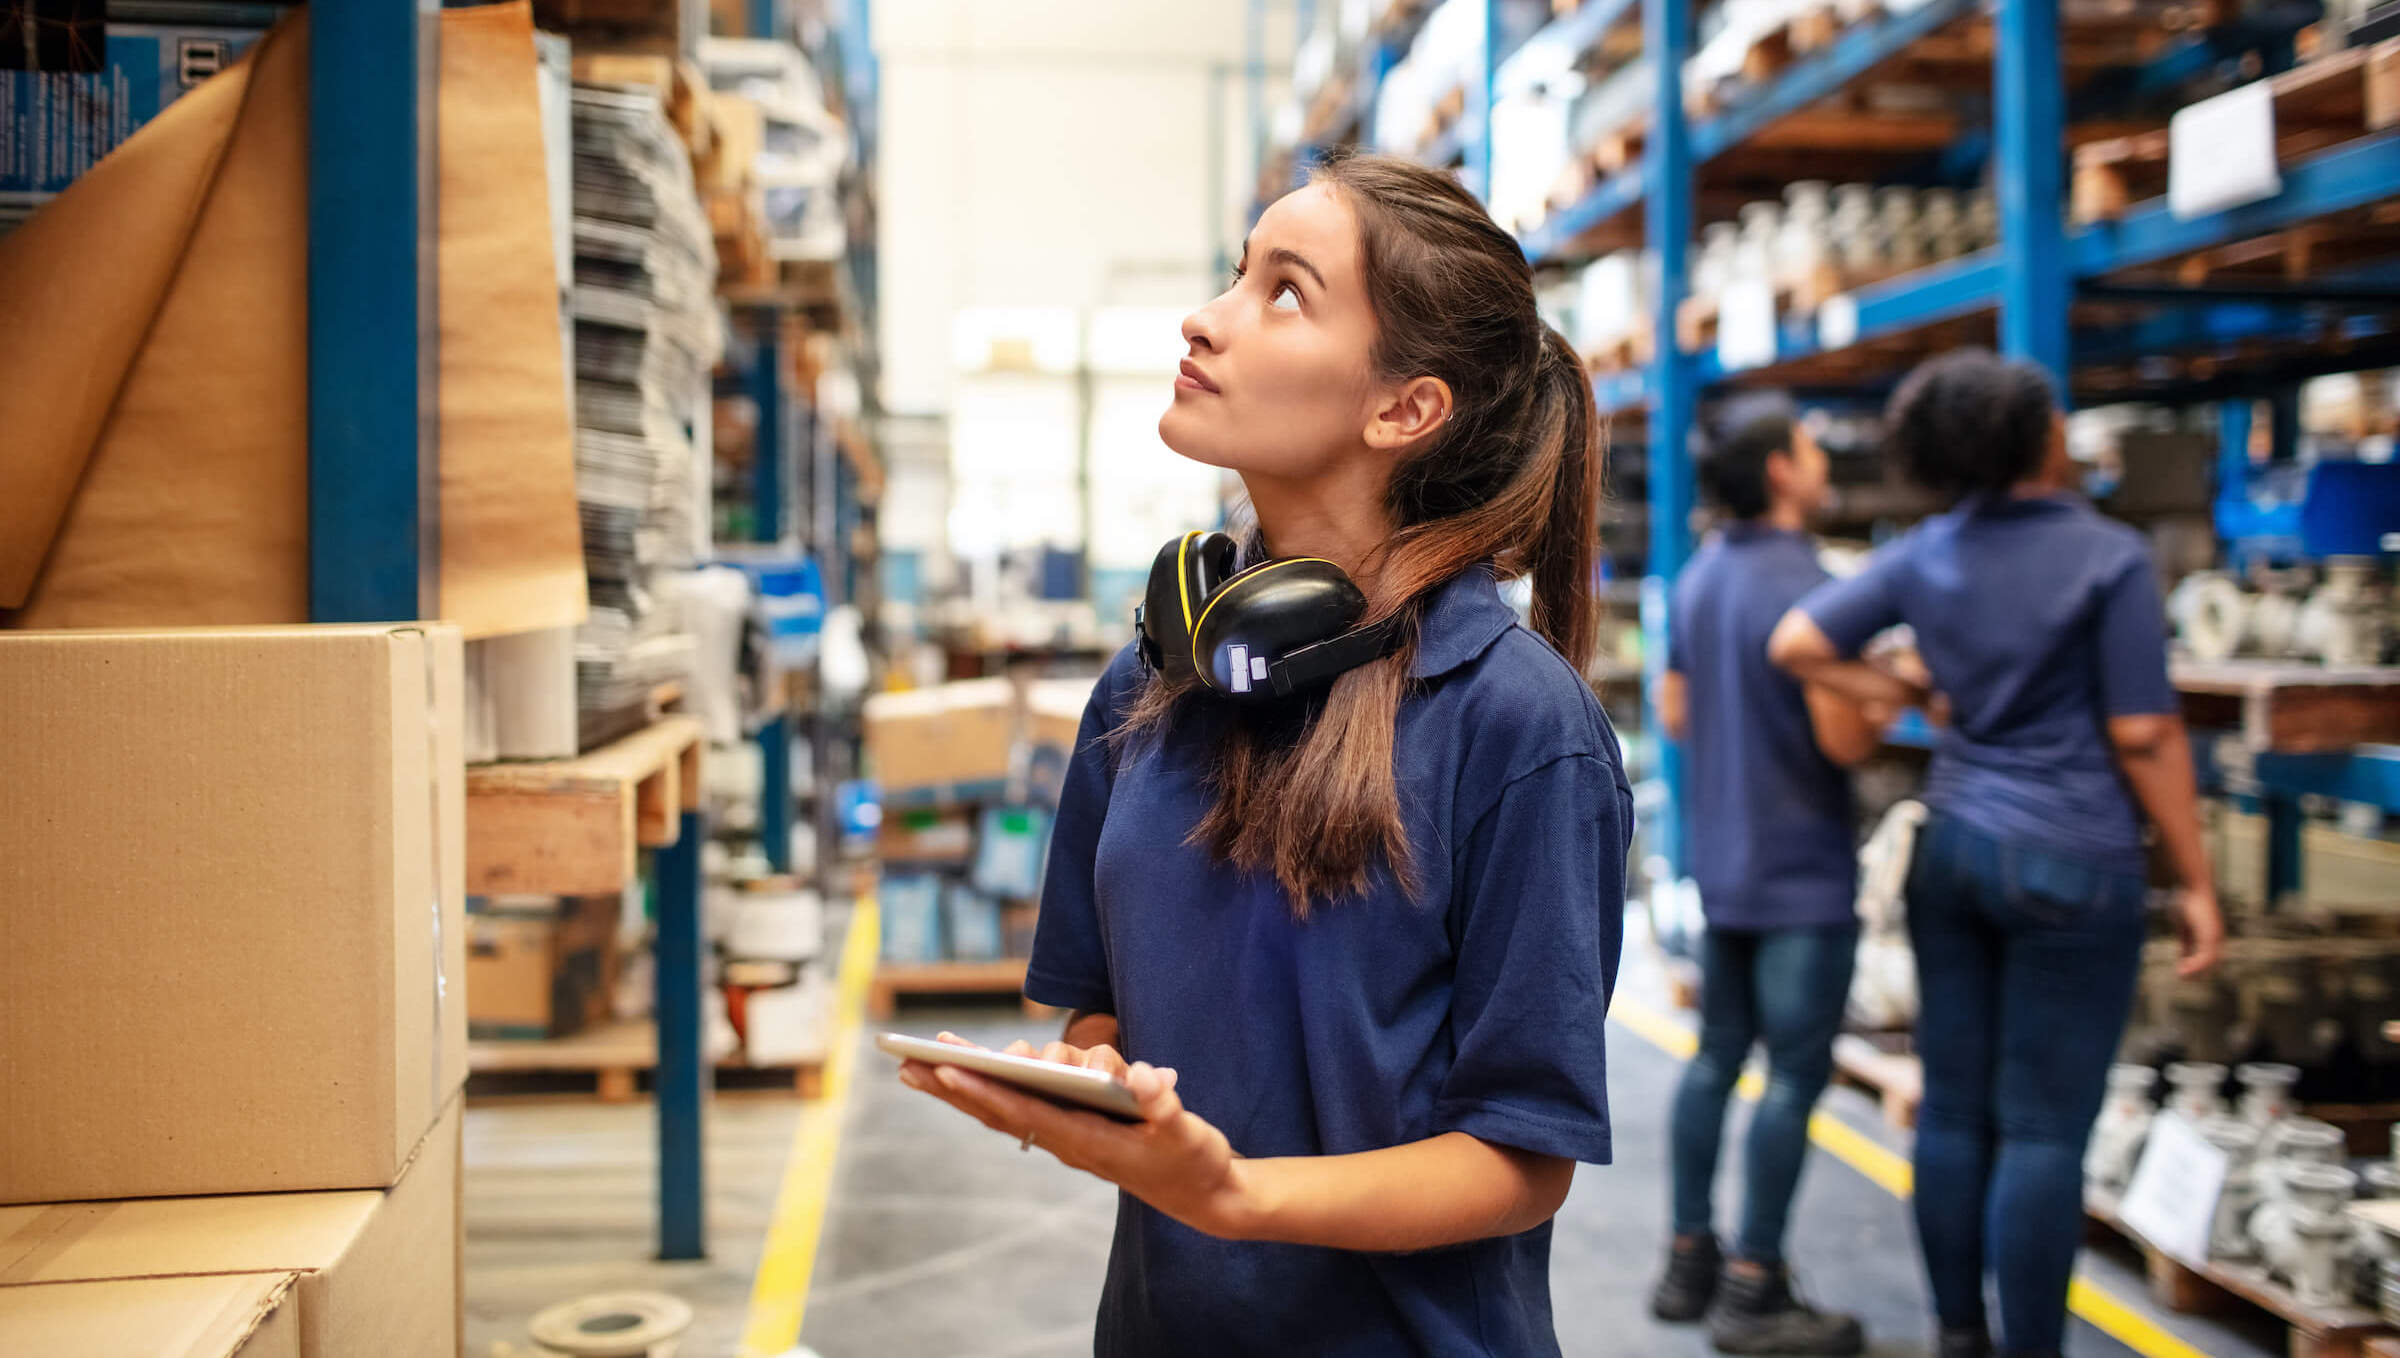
(925, 836)
(241, 1315)
(943, 737)
(1054, 711)
(737, 133)
(370, 1274)
(541, 966)
(231, 886)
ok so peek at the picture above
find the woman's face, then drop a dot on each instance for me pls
(1277, 381)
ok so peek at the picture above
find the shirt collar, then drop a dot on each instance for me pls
(1461, 622)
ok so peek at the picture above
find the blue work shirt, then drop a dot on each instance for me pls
(2039, 620)
(1769, 819)
(1479, 1007)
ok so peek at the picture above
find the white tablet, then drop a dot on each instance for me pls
(1090, 1089)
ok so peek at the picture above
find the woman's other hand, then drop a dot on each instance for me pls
(2200, 926)
(1172, 1159)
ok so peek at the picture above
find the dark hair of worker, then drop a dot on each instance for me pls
(1734, 469)
(1970, 422)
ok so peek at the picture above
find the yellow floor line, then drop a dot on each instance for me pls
(779, 1293)
(1890, 1171)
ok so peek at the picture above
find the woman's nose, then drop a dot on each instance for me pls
(1201, 330)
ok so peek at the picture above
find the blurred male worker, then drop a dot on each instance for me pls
(1769, 834)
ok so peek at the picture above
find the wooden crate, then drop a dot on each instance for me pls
(1002, 976)
(2339, 1331)
(1895, 1078)
(573, 827)
(2334, 99)
(2292, 706)
(608, 1062)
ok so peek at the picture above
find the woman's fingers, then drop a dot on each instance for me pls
(955, 1040)
(1105, 1059)
(1154, 1091)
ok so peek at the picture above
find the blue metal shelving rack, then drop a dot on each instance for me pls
(374, 503)
(2028, 282)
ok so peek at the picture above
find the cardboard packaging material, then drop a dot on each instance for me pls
(232, 893)
(361, 1274)
(942, 737)
(240, 1315)
(926, 836)
(540, 966)
(154, 324)
(1054, 711)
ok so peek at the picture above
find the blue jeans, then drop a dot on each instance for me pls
(2026, 962)
(1787, 987)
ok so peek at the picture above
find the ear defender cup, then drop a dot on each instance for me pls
(1187, 574)
(1263, 617)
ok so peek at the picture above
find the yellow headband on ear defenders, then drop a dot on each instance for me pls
(1279, 628)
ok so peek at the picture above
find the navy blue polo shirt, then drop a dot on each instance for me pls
(1768, 818)
(2040, 620)
(1479, 1007)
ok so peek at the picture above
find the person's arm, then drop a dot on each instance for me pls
(1088, 1028)
(1443, 1190)
(2153, 750)
(2155, 753)
(1675, 704)
(1849, 733)
(1526, 1098)
(1802, 649)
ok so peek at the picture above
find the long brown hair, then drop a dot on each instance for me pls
(1511, 478)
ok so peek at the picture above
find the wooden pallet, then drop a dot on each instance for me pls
(609, 1061)
(2336, 98)
(2316, 1331)
(2292, 706)
(573, 827)
(1896, 1079)
(1004, 976)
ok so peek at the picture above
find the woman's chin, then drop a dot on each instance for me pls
(1175, 430)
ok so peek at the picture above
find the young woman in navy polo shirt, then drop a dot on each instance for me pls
(2042, 625)
(1358, 948)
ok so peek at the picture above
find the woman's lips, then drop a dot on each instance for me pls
(1191, 378)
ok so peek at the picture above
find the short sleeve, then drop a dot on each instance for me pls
(1540, 892)
(2133, 644)
(1850, 612)
(1679, 625)
(1069, 968)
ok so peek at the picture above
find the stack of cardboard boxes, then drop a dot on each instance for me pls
(232, 1029)
(737, 204)
(968, 775)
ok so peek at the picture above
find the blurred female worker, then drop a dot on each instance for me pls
(1358, 942)
(1771, 830)
(2041, 623)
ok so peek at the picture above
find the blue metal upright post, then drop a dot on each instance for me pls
(2029, 108)
(775, 791)
(683, 1071)
(769, 482)
(1478, 111)
(374, 500)
(1667, 209)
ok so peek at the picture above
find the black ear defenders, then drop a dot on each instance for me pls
(1256, 635)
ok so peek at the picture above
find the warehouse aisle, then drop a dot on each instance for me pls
(561, 1202)
(943, 1241)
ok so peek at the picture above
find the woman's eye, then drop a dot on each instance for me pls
(1286, 298)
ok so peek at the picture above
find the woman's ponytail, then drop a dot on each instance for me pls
(1567, 432)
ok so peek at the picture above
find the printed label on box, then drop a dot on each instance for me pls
(81, 96)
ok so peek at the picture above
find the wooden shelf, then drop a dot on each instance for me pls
(617, 1053)
(1001, 976)
(2292, 706)
(573, 827)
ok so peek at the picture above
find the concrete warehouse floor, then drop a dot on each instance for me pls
(941, 1240)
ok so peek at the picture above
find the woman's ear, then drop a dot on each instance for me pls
(1408, 413)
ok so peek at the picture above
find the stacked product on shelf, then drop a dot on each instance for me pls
(646, 337)
(968, 774)
(236, 1053)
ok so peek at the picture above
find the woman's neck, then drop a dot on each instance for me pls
(1339, 518)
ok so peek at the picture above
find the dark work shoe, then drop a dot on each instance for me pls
(1757, 1313)
(1963, 1344)
(1690, 1281)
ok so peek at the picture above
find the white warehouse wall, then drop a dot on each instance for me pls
(1051, 153)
